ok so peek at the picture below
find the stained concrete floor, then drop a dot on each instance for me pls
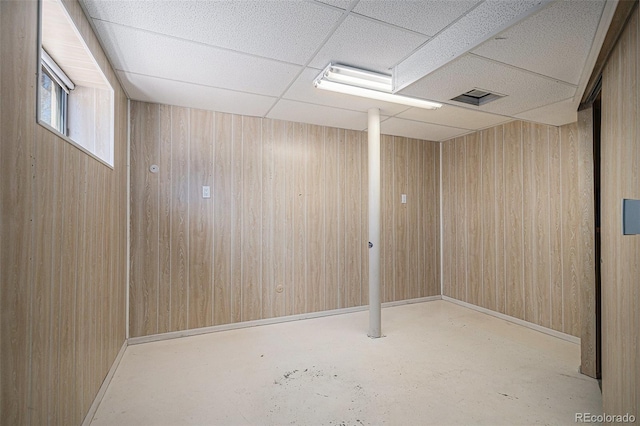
(439, 364)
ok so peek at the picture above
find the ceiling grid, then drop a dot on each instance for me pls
(259, 58)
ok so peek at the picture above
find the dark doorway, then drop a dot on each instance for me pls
(597, 115)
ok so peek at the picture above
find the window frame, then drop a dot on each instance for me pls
(60, 80)
(82, 145)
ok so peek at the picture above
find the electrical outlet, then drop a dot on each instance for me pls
(206, 192)
(404, 198)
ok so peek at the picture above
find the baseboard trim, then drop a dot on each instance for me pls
(536, 327)
(103, 389)
(268, 321)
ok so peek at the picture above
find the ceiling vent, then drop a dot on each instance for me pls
(477, 97)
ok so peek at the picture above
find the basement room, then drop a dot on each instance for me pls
(319, 212)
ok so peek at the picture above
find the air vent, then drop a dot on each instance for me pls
(477, 97)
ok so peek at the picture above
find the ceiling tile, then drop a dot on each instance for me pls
(454, 116)
(152, 54)
(524, 90)
(285, 30)
(342, 4)
(367, 44)
(158, 90)
(557, 39)
(557, 114)
(303, 90)
(489, 18)
(426, 17)
(318, 114)
(419, 130)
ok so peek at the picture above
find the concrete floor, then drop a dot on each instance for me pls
(439, 364)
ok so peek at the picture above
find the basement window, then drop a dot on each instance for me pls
(74, 98)
(55, 87)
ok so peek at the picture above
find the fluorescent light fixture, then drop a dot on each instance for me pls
(359, 78)
(366, 84)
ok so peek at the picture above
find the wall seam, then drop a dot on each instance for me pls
(522, 225)
(560, 140)
(213, 142)
(158, 281)
(441, 196)
(550, 260)
(482, 303)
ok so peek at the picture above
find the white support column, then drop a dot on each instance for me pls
(375, 307)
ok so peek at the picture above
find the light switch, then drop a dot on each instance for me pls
(404, 198)
(206, 192)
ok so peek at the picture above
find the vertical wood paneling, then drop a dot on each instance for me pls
(427, 223)
(144, 211)
(286, 230)
(68, 364)
(460, 222)
(40, 305)
(251, 246)
(299, 195)
(414, 258)
(473, 213)
(165, 214)
(200, 218)
(436, 285)
(388, 200)
(513, 219)
(180, 220)
(536, 224)
(612, 269)
(511, 197)
(268, 287)
(430, 219)
(237, 202)
(501, 284)
(587, 246)
(555, 226)
(635, 272)
(364, 218)
(400, 219)
(619, 180)
(488, 222)
(332, 218)
(541, 230)
(82, 298)
(315, 230)
(57, 208)
(570, 212)
(289, 156)
(528, 222)
(279, 206)
(342, 203)
(352, 220)
(222, 191)
(448, 219)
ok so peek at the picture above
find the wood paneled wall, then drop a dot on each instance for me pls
(285, 229)
(512, 220)
(620, 178)
(63, 243)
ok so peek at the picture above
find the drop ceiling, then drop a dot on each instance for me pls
(259, 58)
